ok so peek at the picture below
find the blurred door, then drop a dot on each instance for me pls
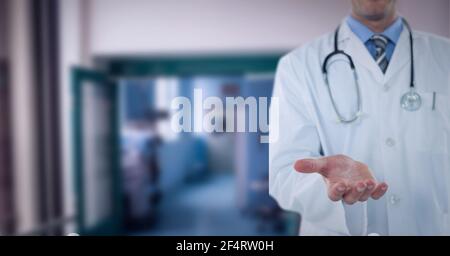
(96, 140)
(6, 189)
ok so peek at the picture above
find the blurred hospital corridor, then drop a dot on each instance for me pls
(194, 183)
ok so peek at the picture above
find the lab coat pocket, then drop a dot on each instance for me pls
(435, 147)
(434, 122)
(440, 105)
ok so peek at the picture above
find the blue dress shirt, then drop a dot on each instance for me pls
(365, 34)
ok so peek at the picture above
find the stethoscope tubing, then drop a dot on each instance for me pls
(337, 51)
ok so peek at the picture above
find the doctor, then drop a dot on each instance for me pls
(353, 156)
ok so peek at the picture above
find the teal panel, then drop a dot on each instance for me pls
(112, 223)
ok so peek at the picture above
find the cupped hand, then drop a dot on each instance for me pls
(347, 180)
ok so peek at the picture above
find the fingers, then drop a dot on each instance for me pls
(371, 185)
(379, 191)
(336, 191)
(361, 191)
(354, 195)
(311, 165)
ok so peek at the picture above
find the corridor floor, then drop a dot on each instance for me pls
(208, 208)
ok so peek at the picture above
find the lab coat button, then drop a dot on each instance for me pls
(390, 142)
(394, 199)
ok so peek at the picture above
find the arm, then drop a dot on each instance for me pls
(306, 186)
(297, 138)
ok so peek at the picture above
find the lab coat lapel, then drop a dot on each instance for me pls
(361, 56)
(401, 56)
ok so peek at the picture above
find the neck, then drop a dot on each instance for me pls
(377, 26)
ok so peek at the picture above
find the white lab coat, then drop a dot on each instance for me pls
(408, 150)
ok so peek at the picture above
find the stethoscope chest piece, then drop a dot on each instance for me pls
(411, 101)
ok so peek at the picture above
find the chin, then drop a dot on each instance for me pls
(375, 16)
(374, 10)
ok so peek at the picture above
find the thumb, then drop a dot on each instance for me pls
(310, 165)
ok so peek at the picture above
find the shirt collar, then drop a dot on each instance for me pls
(393, 32)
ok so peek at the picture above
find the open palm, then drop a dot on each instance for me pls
(346, 179)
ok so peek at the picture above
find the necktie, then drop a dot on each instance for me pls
(381, 42)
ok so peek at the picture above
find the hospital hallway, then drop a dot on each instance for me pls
(190, 211)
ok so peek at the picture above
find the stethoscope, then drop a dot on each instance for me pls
(410, 101)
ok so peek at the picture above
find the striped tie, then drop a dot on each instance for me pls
(381, 42)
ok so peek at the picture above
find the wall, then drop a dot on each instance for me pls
(73, 53)
(202, 25)
(3, 46)
(431, 15)
(23, 122)
(171, 26)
